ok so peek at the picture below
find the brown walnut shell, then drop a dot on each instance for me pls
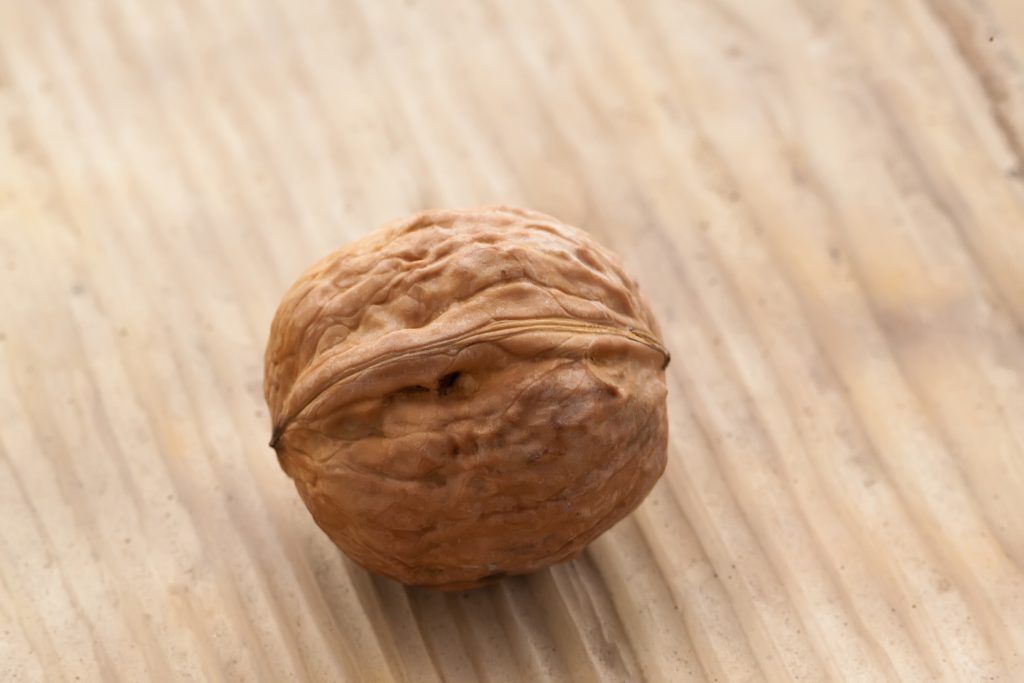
(463, 395)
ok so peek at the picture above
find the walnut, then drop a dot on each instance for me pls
(463, 395)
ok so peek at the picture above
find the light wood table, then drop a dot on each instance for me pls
(824, 200)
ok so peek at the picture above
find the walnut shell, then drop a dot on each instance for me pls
(467, 394)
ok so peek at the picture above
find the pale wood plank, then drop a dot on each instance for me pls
(823, 201)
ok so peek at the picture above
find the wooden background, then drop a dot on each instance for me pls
(824, 200)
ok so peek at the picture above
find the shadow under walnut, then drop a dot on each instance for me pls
(464, 395)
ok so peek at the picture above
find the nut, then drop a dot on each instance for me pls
(463, 395)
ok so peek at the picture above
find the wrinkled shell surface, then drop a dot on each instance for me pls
(467, 394)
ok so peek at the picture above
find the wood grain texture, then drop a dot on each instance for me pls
(823, 200)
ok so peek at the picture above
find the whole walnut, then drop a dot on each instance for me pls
(463, 395)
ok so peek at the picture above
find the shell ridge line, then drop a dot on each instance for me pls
(495, 330)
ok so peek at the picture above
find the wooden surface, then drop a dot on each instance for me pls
(824, 200)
